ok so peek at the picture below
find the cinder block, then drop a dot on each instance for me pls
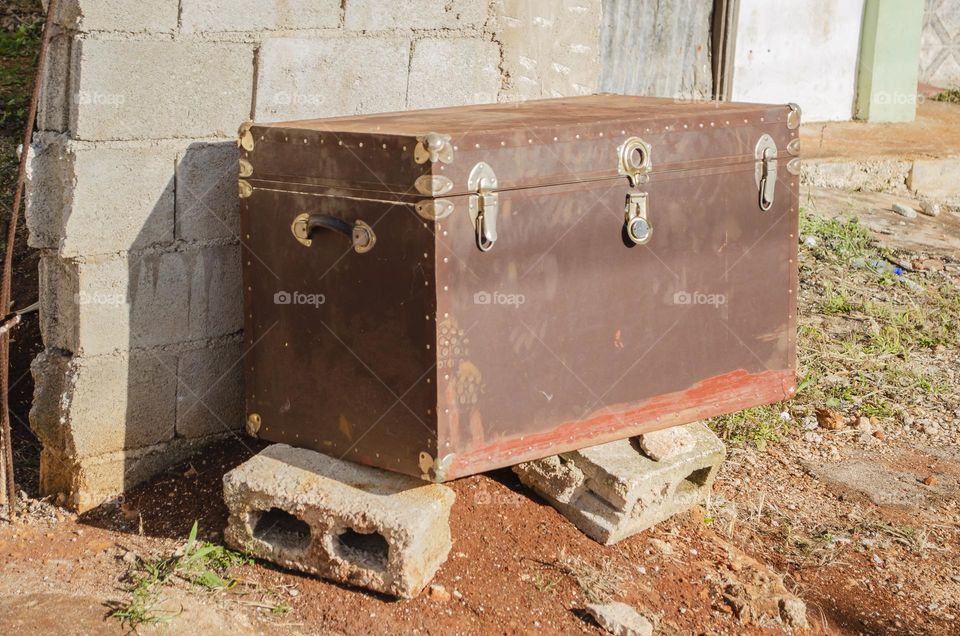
(69, 208)
(935, 178)
(158, 16)
(346, 522)
(216, 296)
(140, 300)
(618, 491)
(207, 202)
(138, 89)
(550, 49)
(88, 482)
(307, 78)
(210, 390)
(477, 80)
(257, 15)
(373, 15)
(85, 406)
(52, 110)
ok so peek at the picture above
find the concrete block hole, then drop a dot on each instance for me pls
(694, 481)
(281, 530)
(366, 549)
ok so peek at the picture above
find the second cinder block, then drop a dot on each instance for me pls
(613, 491)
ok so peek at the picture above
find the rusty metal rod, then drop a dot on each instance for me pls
(5, 286)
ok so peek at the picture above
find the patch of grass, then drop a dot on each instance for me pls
(18, 50)
(600, 583)
(759, 426)
(951, 95)
(837, 239)
(201, 564)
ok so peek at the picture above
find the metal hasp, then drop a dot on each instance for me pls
(766, 170)
(638, 226)
(635, 161)
(484, 205)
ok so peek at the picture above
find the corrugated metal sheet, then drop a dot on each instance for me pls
(657, 47)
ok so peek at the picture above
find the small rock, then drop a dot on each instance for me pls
(931, 429)
(130, 557)
(813, 437)
(620, 619)
(793, 612)
(662, 546)
(879, 435)
(667, 443)
(810, 241)
(930, 208)
(864, 425)
(932, 264)
(908, 420)
(438, 593)
(457, 595)
(830, 419)
(904, 210)
(930, 481)
(292, 591)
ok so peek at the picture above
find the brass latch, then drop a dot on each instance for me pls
(639, 229)
(766, 170)
(484, 205)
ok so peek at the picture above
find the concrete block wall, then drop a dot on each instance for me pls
(132, 187)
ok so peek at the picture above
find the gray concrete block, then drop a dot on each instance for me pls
(140, 300)
(87, 406)
(550, 49)
(212, 16)
(52, 110)
(476, 80)
(210, 390)
(350, 523)
(935, 178)
(300, 78)
(374, 15)
(156, 16)
(69, 208)
(88, 482)
(207, 202)
(624, 492)
(136, 89)
(215, 292)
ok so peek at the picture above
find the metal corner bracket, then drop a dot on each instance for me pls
(433, 147)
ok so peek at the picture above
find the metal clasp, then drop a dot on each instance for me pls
(484, 205)
(766, 170)
(639, 229)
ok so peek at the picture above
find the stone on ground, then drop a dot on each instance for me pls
(670, 442)
(620, 619)
(613, 491)
(353, 524)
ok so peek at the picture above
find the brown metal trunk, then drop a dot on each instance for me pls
(427, 355)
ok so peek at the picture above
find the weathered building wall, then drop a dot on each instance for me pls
(657, 48)
(132, 194)
(802, 51)
(940, 44)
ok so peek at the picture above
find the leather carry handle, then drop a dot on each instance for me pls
(360, 234)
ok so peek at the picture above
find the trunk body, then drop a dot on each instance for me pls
(430, 356)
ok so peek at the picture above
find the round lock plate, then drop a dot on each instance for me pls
(639, 230)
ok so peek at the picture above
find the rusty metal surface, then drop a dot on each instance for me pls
(435, 359)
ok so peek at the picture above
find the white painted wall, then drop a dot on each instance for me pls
(802, 51)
